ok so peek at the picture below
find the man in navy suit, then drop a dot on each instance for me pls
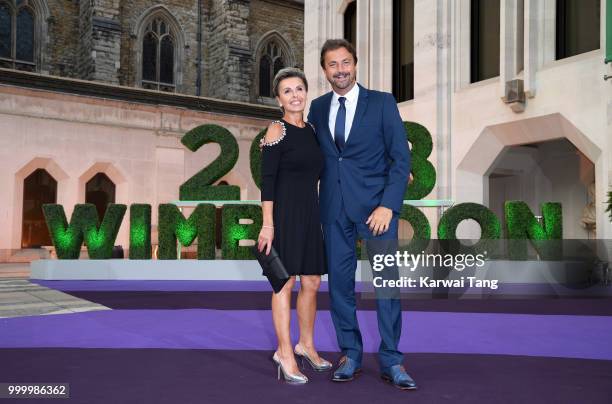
(367, 164)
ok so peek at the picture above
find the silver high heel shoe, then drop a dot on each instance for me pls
(321, 367)
(289, 378)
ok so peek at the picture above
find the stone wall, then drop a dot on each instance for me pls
(136, 145)
(84, 62)
(185, 12)
(105, 45)
(63, 48)
(288, 24)
(288, 21)
(96, 40)
(230, 54)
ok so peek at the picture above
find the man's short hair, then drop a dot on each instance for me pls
(333, 44)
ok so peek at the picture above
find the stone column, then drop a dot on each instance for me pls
(363, 42)
(511, 43)
(230, 51)
(100, 41)
(381, 51)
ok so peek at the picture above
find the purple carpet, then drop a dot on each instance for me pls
(194, 342)
(585, 337)
(102, 376)
(252, 300)
(516, 290)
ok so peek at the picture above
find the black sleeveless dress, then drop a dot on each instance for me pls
(290, 170)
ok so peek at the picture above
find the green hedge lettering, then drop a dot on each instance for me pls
(174, 227)
(85, 227)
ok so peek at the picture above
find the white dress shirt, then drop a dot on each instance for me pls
(351, 105)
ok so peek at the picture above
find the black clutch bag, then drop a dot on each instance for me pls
(273, 268)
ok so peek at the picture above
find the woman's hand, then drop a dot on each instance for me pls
(266, 235)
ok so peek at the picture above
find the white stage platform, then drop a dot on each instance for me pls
(249, 270)
(123, 269)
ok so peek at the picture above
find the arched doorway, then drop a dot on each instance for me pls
(538, 172)
(537, 159)
(100, 190)
(38, 188)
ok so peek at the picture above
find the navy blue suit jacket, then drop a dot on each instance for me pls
(374, 167)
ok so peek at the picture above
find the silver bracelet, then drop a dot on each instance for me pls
(269, 227)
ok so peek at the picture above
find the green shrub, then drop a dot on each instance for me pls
(423, 172)
(255, 158)
(490, 227)
(233, 231)
(140, 231)
(84, 227)
(174, 227)
(522, 225)
(420, 226)
(199, 187)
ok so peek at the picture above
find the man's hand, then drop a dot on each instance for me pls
(379, 220)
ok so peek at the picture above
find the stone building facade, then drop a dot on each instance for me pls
(214, 45)
(71, 132)
(537, 129)
(78, 117)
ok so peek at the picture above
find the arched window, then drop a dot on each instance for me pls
(100, 190)
(38, 188)
(270, 62)
(17, 35)
(158, 56)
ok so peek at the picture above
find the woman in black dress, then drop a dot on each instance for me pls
(291, 165)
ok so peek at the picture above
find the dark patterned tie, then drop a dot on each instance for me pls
(340, 123)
